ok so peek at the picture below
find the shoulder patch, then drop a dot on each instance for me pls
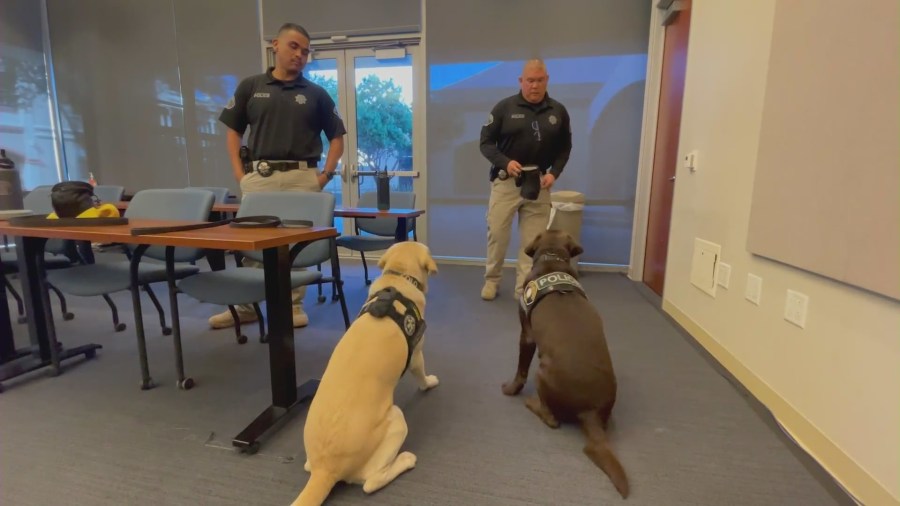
(230, 104)
(490, 120)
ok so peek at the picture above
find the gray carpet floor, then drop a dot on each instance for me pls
(684, 433)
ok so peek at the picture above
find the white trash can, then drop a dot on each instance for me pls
(566, 214)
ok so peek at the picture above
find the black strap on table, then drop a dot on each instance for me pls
(43, 221)
(261, 221)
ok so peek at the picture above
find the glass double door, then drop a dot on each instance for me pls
(377, 94)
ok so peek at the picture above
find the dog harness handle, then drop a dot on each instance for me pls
(410, 322)
(539, 288)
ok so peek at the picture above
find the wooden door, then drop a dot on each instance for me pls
(665, 156)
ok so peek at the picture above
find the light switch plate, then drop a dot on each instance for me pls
(795, 306)
(723, 275)
(753, 293)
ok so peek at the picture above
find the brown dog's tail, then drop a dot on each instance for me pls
(316, 490)
(597, 449)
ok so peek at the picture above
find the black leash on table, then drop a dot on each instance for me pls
(262, 221)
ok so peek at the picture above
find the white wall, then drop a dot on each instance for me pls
(835, 384)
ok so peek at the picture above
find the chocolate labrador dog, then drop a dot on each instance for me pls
(575, 377)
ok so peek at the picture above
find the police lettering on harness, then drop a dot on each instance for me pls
(410, 321)
(536, 289)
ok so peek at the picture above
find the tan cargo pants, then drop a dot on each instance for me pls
(304, 180)
(504, 203)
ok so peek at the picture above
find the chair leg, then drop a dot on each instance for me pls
(321, 297)
(20, 306)
(62, 303)
(263, 337)
(162, 314)
(336, 275)
(365, 268)
(115, 314)
(241, 338)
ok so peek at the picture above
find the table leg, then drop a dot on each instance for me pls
(282, 366)
(402, 232)
(7, 344)
(41, 330)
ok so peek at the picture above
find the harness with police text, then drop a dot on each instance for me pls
(410, 321)
(537, 289)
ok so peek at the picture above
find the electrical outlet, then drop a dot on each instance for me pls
(795, 306)
(723, 275)
(753, 293)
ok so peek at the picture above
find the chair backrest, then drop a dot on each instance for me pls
(109, 193)
(220, 192)
(171, 204)
(385, 227)
(38, 200)
(317, 207)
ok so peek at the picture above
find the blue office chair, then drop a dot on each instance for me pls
(220, 192)
(109, 277)
(108, 193)
(58, 253)
(244, 285)
(376, 234)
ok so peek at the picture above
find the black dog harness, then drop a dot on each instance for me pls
(410, 321)
(537, 289)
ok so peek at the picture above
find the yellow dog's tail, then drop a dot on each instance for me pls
(316, 490)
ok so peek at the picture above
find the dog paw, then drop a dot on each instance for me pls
(406, 460)
(513, 387)
(307, 467)
(431, 381)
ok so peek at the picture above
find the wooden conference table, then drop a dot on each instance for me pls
(278, 256)
(401, 215)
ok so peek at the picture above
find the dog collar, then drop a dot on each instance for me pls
(411, 323)
(552, 256)
(537, 289)
(416, 283)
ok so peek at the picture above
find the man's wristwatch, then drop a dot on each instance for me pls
(328, 175)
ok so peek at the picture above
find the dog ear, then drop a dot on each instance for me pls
(532, 248)
(573, 247)
(430, 266)
(384, 258)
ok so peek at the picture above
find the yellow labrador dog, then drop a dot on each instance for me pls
(354, 431)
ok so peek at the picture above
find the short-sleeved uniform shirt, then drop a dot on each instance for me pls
(531, 134)
(286, 118)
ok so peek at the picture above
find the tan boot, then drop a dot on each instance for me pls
(489, 291)
(225, 321)
(301, 319)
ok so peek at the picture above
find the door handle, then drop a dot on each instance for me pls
(672, 178)
(399, 173)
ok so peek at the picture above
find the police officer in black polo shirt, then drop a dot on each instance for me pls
(527, 138)
(286, 114)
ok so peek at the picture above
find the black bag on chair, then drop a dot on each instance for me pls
(71, 198)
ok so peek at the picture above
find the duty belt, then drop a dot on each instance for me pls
(267, 167)
(410, 322)
(537, 289)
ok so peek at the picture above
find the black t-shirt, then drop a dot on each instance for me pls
(285, 117)
(531, 134)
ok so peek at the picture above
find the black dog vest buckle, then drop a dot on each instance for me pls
(410, 322)
(538, 288)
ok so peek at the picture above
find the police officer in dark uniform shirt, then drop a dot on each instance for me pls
(286, 114)
(527, 138)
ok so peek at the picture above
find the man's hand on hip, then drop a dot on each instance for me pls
(547, 180)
